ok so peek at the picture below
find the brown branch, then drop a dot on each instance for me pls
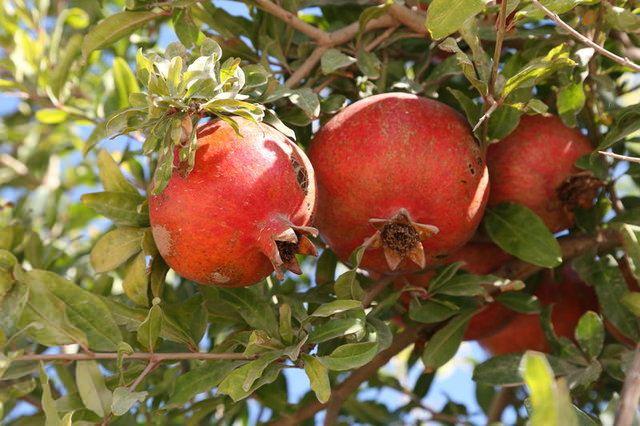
(630, 393)
(584, 40)
(155, 357)
(412, 19)
(320, 36)
(620, 157)
(381, 38)
(345, 34)
(497, 52)
(307, 66)
(346, 388)
(500, 401)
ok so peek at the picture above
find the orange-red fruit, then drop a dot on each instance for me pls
(241, 212)
(534, 166)
(402, 172)
(570, 297)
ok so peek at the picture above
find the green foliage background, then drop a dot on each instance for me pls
(95, 328)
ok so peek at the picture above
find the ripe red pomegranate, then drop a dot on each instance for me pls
(571, 298)
(242, 211)
(534, 166)
(480, 258)
(402, 173)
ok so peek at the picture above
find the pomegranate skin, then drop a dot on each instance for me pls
(530, 165)
(219, 224)
(570, 297)
(394, 153)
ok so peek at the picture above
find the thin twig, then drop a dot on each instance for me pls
(307, 66)
(315, 33)
(500, 401)
(497, 52)
(381, 38)
(376, 289)
(620, 157)
(157, 357)
(148, 369)
(630, 393)
(585, 40)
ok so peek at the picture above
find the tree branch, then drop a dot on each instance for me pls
(155, 357)
(500, 401)
(320, 36)
(620, 157)
(412, 19)
(307, 66)
(584, 40)
(630, 393)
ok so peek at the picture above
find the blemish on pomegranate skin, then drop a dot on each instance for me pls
(163, 239)
(219, 278)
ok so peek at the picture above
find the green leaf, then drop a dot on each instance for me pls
(336, 328)
(124, 400)
(350, 356)
(520, 232)
(347, 286)
(550, 400)
(621, 19)
(124, 209)
(116, 247)
(631, 244)
(369, 64)
(113, 28)
(611, 288)
(332, 60)
(307, 101)
(232, 384)
(48, 314)
(93, 391)
(589, 334)
(200, 379)
(149, 329)
(519, 301)
(570, 101)
(431, 311)
(255, 311)
(51, 116)
(631, 301)
(59, 75)
(335, 307)
(443, 277)
(125, 82)
(538, 69)
(468, 284)
(626, 121)
(318, 377)
(286, 329)
(444, 344)
(48, 403)
(111, 177)
(505, 369)
(445, 17)
(136, 280)
(185, 28)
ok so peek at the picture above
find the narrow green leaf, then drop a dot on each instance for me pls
(350, 356)
(51, 116)
(136, 280)
(445, 17)
(431, 311)
(318, 377)
(332, 60)
(113, 28)
(444, 344)
(116, 247)
(520, 232)
(149, 329)
(123, 208)
(125, 82)
(92, 388)
(335, 307)
(200, 379)
(589, 333)
(124, 400)
(336, 328)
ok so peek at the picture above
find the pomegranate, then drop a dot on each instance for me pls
(534, 166)
(242, 212)
(479, 258)
(403, 175)
(571, 298)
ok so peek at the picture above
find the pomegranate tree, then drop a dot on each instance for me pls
(403, 175)
(242, 212)
(534, 166)
(570, 297)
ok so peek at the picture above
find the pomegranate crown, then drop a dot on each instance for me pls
(181, 87)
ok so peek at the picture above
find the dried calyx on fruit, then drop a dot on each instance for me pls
(522, 173)
(242, 212)
(401, 174)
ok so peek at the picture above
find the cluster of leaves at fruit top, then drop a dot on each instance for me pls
(322, 186)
